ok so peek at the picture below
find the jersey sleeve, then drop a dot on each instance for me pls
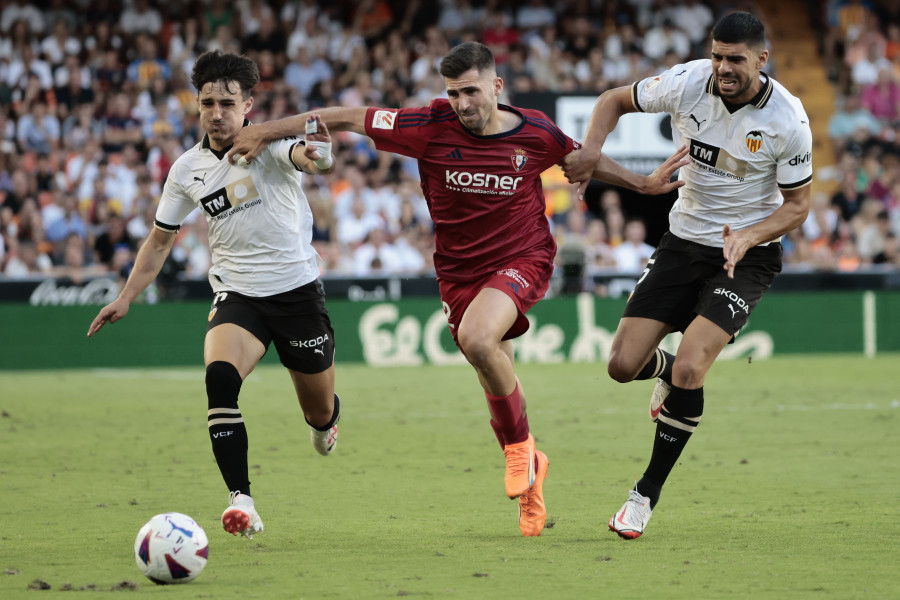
(281, 151)
(661, 93)
(403, 131)
(558, 143)
(174, 204)
(794, 167)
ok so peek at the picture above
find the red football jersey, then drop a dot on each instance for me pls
(484, 192)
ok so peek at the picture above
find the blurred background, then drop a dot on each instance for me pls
(97, 104)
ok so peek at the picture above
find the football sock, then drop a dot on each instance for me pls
(677, 420)
(226, 425)
(659, 365)
(499, 433)
(334, 416)
(507, 416)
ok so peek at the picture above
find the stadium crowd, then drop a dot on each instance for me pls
(97, 104)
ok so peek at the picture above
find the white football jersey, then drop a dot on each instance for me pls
(739, 159)
(260, 223)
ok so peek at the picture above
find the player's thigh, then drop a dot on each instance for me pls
(233, 344)
(636, 339)
(234, 332)
(488, 317)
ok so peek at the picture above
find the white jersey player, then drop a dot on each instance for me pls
(747, 184)
(264, 274)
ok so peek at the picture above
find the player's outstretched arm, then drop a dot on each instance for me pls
(657, 182)
(149, 262)
(251, 140)
(315, 156)
(787, 217)
(611, 105)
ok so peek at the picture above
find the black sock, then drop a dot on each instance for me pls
(334, 416)
(659, 365)
(226, 425)
(677, 420)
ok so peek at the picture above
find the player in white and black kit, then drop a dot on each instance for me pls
(264, 275)
(747, 185)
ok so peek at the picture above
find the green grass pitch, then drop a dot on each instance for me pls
(789, 489)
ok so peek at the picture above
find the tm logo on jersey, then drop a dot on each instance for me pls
(718, 161)
(232, 198)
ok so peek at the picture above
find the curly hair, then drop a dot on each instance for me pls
(218, 66)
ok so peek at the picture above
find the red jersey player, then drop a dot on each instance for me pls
(480, 164)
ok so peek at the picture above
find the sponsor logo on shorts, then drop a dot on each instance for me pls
(514, 275)
(212, 313)
(736, 300)
(311, 343)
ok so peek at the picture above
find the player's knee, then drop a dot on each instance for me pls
(688, 374)
(476, 345)
(223, 384)
(620, 369)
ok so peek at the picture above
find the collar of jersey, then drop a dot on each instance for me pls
(512, 131)
(220, 154)
(759, 100)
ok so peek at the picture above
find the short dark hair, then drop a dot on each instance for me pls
(215, 66)
(466, 56)
(740, 27)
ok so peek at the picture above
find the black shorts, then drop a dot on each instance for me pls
(684, 279)
(296, 321)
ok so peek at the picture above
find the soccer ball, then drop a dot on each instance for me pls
(171, 548)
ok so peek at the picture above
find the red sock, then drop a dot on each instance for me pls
(510, 425)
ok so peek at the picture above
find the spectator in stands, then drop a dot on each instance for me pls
(25, 260)
(303, 71)
(376, 255)
(21, 188)
(865, 70)
(634, 252)
(821, 224)
(666, 37)
(66, 221)
(353, 229)
(75, 263)
(850, 117)
(108, 242)
(119, 127)
(882, 98)
(21, 10)
(140, 17)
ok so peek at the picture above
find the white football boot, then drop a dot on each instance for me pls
(632, 518)
(660, 393)
(324, 441)
(241, 516)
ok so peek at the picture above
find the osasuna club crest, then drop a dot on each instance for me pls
(519, 159)
(754, 141)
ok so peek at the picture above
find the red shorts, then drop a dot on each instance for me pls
(526, 282)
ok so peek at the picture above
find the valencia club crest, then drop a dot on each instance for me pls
(519, 159)
(754, 141)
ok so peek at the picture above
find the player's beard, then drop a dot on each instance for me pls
(740, 86)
